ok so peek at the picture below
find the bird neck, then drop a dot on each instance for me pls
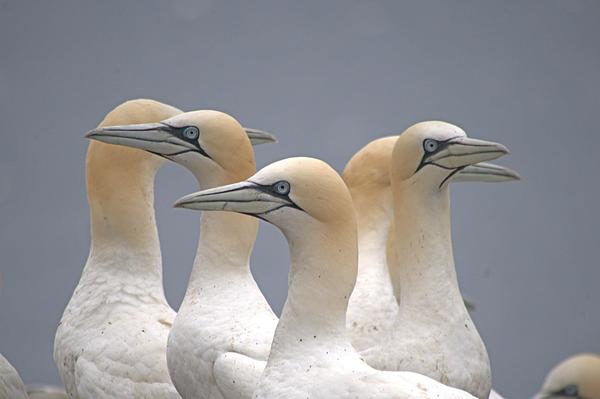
(321, 278)
(120, 190)
(225, 243)
(424, 259)
(224, 248)
(374, 213)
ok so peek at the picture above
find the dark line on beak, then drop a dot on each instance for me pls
(450, 175)
(470, 153)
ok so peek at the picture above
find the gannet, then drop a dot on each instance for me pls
(575, 377)
(224, 322)
(433, 334)
(111, 340)
(11, 385)
(373, 306)
(311, 354)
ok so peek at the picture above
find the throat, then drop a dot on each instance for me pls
(322, 276)
(120, 187)
(424, 260)
(224, 249)
(374, 220)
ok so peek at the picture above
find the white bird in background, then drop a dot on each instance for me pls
(576, 377)
(311, 355)
(11, 385)
(433, 334)
(111, 341)
(222, 334)
(373, 304)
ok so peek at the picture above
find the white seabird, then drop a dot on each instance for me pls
(11, 385)
(373, 306)
(311, 355)
(222, 334)
(433, 334)
(111, 341)
(577, 377)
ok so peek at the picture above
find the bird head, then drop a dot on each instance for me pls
(577, 377)
(287, 193)
(431, 154)
(211, 144)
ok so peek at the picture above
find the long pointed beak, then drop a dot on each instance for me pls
(243, 197)
(465, 151)
(160, 138)
(157, 138)
(258, 137)
(486, 172)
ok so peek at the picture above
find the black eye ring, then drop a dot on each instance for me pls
(282, 187)
(569, 390)
(430, 145)
(191, 132)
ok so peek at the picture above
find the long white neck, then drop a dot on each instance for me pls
(124, 238)
(224, 247)
(374, 213)
(322, 275)
(424, 249)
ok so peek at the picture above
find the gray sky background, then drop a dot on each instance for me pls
(326, 77)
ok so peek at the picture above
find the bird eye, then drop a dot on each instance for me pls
(191, 132)
(430, 145)
(569, 390)
(282, 187)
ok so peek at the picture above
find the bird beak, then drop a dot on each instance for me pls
(157, 138)
(243, 197)
(464, 151)
(486, 172)
(161, 139)
(258, 137)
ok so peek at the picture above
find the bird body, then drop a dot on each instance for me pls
(434, 334)
(222, 334)
(111, 340)
(11, 385)
(311, 355)
(430, 332)
(374, 305)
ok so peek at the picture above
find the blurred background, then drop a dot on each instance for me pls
(326, 77)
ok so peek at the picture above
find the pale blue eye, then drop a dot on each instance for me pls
(191, 132)
(430, 145)
(282, 187)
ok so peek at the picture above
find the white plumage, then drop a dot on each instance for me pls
(111, 341)
(11, 385)
(311, 355)
(222, 334)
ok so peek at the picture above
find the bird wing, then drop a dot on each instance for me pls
(237, 375)
(129, 365)
(390, 384)
(95, 383)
